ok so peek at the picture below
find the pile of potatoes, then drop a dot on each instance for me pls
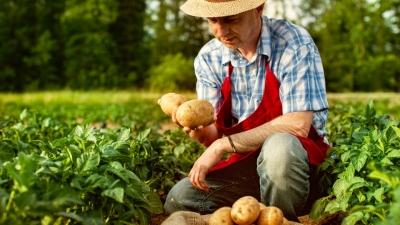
(246, 211)
(192, 113)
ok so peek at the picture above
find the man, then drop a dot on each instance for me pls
(265, 80)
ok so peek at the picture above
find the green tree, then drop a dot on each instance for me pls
(88, 44)
(174, 73)
(358, 41)
(174, 33)
(30, 44)
(128, 32)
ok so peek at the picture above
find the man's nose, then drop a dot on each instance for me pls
(221, 29)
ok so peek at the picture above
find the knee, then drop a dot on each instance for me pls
(282, 151)
(177, 197)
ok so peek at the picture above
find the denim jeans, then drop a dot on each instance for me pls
(279, 176)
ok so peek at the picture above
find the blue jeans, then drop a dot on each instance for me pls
(279, 176)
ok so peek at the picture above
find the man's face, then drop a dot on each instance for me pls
(238, 30)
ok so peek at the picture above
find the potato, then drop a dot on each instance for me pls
(245, 210)
(285, 221)
(221, 216)
(262, 206)
(271, 215)
(169, 101)
(194, 113)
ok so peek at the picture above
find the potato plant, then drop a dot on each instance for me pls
(362, 167)
(54, 172)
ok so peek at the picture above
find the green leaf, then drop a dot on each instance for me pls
(6, 152)
(142, 135)
(74, 152)
(318, 208)
(22, 172)
(25, 200)
(128, 215)
(124, 135)
(93, 221)
(143, 215)
(332, 207)
(24, 114)
(357, 185)
(154, 202)
(358, 159)
(94, 181)
(348, 173)
(4, 196)
(65, 197)
(76, 183)
(116, 193)
(397, 130)
(126, 175)
(394, 154)
(359, 136)
(386, 162)
(370, 111)
(110, 151)
(179, 150)
(378, 193)
(340, 187)
(88, 162)
(69, 215)
(361, 197)
(353, 218)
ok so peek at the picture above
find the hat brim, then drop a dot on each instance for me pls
(203, 8)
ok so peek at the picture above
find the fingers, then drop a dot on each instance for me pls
(197, 179)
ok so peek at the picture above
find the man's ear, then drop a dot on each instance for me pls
(260, 9)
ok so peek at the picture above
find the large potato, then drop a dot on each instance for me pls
(245, 210)
(169, 101)
(270, 215)
(194, 113)
(221, 217)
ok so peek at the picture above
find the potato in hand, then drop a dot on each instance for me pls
(169, 101)
(195, 113)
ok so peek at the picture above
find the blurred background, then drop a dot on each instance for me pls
(150, 44)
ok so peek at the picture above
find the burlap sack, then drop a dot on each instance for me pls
(187, 218)
(192, 218)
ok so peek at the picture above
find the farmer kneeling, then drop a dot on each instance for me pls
(265, 79)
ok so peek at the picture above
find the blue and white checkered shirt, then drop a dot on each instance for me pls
(294, 59)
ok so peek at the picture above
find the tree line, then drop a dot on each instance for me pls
(125, 44)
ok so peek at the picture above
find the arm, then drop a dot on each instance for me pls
(296, 123)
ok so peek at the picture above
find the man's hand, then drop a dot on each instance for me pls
(205, 162)
(186, 129)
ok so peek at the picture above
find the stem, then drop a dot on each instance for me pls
(8, 204)
(83, 146)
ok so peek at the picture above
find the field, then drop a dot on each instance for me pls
(111, 157)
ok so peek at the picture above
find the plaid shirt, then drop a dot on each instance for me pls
(294, 59)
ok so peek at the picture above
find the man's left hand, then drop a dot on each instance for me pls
(204, 163)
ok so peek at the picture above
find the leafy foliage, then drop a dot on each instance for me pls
(174, 73)
(362, 167)
(54, 174)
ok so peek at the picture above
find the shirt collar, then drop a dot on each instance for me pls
(263, 48)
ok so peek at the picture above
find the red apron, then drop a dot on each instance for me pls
(269, 108)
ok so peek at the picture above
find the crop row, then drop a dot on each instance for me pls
(112, 164)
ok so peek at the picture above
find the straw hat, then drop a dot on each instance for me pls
(219, 8)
